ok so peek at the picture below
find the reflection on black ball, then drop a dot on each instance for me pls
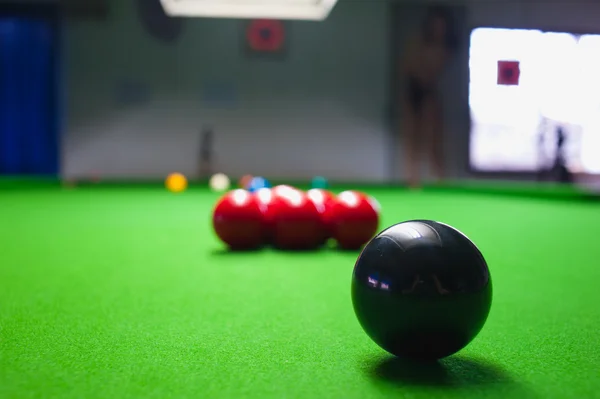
(421, 289)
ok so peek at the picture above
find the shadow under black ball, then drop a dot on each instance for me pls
(421, 289)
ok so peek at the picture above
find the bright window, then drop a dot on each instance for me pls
(514, 127)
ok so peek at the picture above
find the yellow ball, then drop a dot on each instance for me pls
(176, 182)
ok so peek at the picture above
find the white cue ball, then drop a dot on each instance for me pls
(219, 182)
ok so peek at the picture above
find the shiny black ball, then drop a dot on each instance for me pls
(421, 289)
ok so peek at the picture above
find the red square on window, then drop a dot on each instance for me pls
(509, 73)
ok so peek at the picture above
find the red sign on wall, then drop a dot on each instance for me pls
(266, 35)
(509, 73)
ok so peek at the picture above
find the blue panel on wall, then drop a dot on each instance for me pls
(28, 111)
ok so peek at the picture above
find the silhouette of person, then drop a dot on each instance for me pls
(426, 56)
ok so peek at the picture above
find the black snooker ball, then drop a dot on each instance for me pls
(421, 290)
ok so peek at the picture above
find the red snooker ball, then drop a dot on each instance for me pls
(354, 219)
(324, 201)
(265, 198)
(268, 205)
(283, 188)
(238, 222)
(294, 220)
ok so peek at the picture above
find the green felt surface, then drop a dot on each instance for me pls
(124, 292)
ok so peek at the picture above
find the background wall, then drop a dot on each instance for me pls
(135, 105)
(320, 111)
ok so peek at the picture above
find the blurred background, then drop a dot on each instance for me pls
(117, 90)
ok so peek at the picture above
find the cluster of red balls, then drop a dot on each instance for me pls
(291, 219)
